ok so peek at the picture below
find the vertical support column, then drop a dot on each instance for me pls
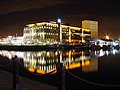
(61, 73)
(32, 32)
(61, 76)
(43, 36)
(15, 72)
(69, 34)
(60, 30)
(83, 36)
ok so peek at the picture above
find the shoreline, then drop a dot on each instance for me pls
(44, 47)
(24, 48)
(40, 48)
(52, 47)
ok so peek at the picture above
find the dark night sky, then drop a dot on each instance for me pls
(15, 14)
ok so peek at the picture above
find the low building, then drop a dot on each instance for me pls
(51, 32)
(12, 40)
(105, 42)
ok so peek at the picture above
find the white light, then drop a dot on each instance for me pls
(59, 20)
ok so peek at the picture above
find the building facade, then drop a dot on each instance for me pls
(92, 26)
(53, 33)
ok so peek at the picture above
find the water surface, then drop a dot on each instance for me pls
(81, 68)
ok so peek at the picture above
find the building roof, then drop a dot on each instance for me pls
(101, 39)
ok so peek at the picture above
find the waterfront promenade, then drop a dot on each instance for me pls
(6, 83)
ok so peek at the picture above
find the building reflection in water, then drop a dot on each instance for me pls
(44, 62)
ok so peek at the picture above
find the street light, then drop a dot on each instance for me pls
(58, 20)
(107, 37)
(60, 29)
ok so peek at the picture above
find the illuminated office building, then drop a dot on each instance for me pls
(92, 26)
(52, 33)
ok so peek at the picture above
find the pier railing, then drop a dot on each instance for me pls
(17, 64)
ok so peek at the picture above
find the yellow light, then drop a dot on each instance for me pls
(83, 63)
(31, 69)
(87, 30)
(48, 24)
(83, 40)
(74, 65)
(75, 28)
(64, 26)
(54, 72)
(30, 25)
(87, 62)
(107, 37)
(40, 71)
(40, 24)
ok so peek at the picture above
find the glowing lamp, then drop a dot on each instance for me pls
(107, 37)
(59, 20)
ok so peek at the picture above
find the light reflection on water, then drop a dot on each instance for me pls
(43, 62)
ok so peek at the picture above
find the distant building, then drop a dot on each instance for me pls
(50, 32)
(105, 42)
(12, 40)
(92, 26)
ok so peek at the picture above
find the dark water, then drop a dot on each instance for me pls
(79, 69)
